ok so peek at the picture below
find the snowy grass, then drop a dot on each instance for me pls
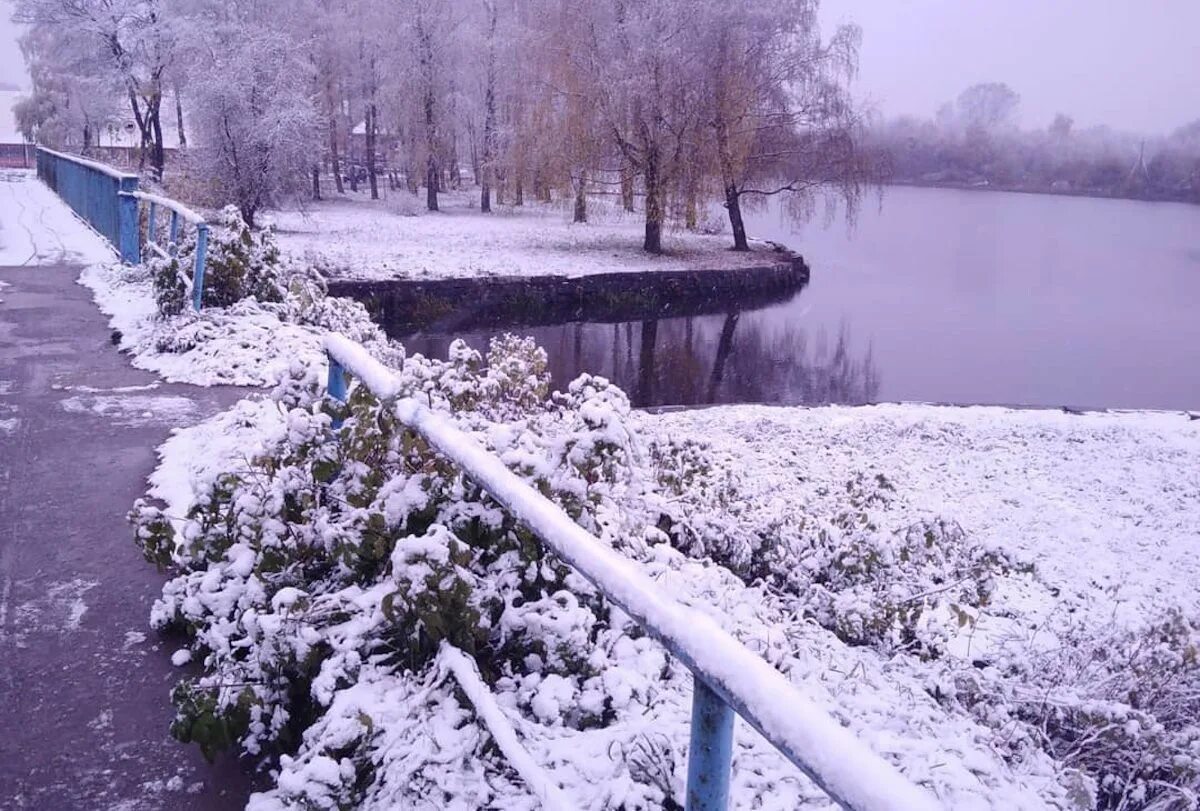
(1079, 495)
(1075, 496)
(393, 238)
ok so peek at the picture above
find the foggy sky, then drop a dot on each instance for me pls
(1131, 64)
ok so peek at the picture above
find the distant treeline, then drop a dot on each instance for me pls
(972, 143)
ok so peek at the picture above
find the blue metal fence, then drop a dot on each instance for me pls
(179, 215)
(94, 190)
(108, 199)
(728, 679)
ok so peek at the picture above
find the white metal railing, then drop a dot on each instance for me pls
(728, 677)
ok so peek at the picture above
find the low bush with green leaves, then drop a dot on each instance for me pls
(241, 263)
(316, 580)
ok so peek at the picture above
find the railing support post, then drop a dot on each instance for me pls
(151, 233)
(711, 750)
(198, 269)
(336, 384)
(127, 222)
(173, 240)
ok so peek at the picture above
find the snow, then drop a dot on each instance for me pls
(393, 238)
(240, 345)
(838, 761)
(133, 409)
(467, 675)
(1079, 495)
(36, 227)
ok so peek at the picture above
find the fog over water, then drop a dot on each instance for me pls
(1127, 64)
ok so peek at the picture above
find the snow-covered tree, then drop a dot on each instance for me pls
(254, 110)
(129, 43)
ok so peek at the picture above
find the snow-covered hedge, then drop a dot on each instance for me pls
(317, 576)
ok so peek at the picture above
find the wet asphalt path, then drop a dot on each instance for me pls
(84, 683)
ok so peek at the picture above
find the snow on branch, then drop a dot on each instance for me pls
(843, 766)
(466, 673)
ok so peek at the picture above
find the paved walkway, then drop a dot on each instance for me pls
(84, 683)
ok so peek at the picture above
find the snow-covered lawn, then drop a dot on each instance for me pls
(1107, 505)
(396, 238)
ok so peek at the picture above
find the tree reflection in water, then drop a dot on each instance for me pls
(733, 358)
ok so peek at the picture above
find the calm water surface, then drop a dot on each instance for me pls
(940, 296)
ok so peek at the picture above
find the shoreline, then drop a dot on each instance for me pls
(917, 184)
(404, 306)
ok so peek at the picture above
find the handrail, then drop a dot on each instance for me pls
(108, 198)
(93, 191)
(178, 212)
(112, 172)
(169, 204)
(728, 676)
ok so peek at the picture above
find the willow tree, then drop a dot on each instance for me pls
(777, 102)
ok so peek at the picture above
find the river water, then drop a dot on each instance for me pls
(937, 296)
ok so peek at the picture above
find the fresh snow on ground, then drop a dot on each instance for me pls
(1070, 493)
(395, 238)
(240, 345)
(1107, 505)
(37, 228)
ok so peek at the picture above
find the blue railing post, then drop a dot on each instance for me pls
(711, 750)
(151, 232)
(173, 240)
(336, 384)
(127, 222)
(198, 269)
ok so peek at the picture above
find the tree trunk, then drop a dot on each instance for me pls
(372, 116)
(733, 203)
(158, 158)
(179, 121)
(580, 181)
(489, 117)
(519, 192)
(653, 240)
(316, 182)
(334, 158)
(626, 185)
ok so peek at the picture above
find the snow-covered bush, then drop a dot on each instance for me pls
(342, 556)
(894, 588)
(1120, 706)
(240, 263)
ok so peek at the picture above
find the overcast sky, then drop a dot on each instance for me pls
(1132, 64)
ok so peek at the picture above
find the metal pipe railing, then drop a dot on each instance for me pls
(178, 212)
(108, 198)
(728, 677)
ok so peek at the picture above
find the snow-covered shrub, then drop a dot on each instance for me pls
(341, 556)
(241, 263)
(1122, 707)
(171, 276)
(894, 588)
